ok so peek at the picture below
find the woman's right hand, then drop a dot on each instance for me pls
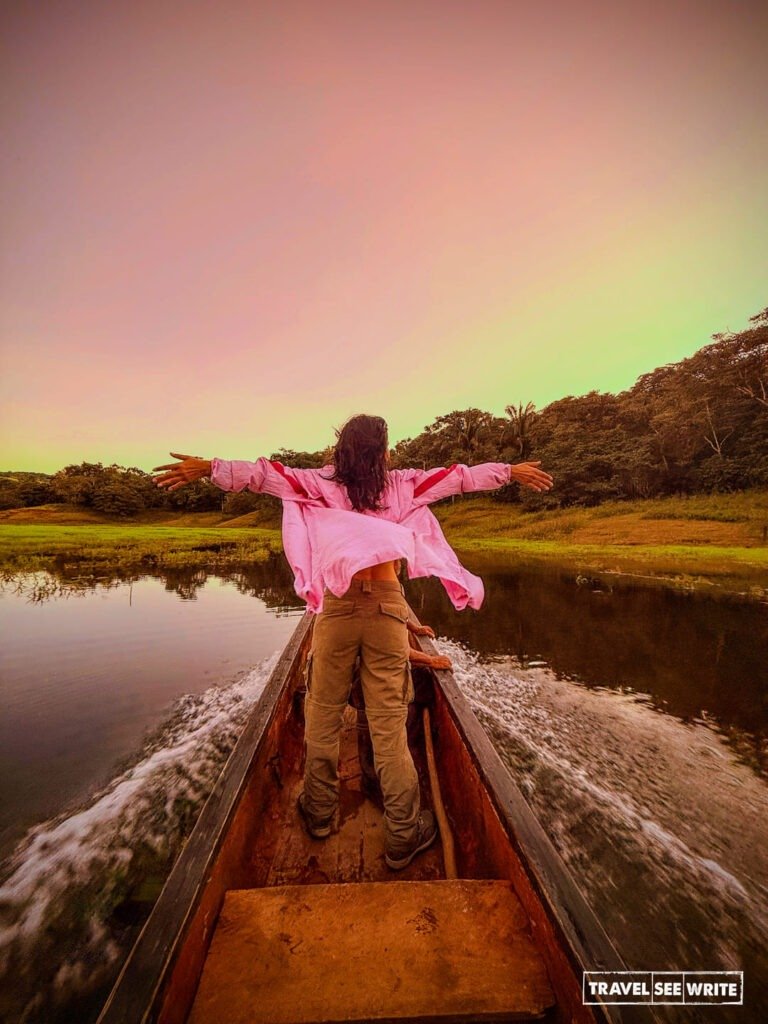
(179, 474)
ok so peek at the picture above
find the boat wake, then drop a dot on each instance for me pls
(75, 890)
(661, 826)
(664, 830)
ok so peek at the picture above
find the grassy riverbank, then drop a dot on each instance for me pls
(95, 547)
(705, 541)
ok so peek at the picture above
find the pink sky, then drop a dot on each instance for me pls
(228, 226)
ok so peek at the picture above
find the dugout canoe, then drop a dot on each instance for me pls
(260, 923)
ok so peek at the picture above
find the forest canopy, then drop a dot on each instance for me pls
(695, 426)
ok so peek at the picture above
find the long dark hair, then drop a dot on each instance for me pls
(360, 460)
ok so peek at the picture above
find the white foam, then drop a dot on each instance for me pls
(642, 807)
(65, 877)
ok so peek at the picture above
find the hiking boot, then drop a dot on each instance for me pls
(318, 828)
(426, 833)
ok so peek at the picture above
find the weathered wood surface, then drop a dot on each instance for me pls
(172, 945)
(449, 951)
(354, 852)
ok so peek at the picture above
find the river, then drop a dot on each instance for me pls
(633, 718)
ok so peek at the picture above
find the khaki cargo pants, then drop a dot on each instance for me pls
(369, 621)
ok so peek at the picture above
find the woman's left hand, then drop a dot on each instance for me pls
(529, 475)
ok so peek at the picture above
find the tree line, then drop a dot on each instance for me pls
(696, 426)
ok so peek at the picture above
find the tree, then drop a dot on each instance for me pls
(31, 492)
(517, 431)
(201, 496)
(303, 460)
(240, 503)
(76, 484)
(112, 490)
(464, 436)
(749, 356)
(124, 492)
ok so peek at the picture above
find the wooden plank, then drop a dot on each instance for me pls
(382, 951)
(185, 912)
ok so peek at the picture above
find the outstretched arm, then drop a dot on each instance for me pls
(433, 484)
(264, 476)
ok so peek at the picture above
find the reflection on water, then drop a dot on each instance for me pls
(119, 711)
(270, 580)
(696, 657)
(89, 665)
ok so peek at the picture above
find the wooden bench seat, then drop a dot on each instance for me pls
(438, 951)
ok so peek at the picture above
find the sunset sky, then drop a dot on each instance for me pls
(227, 226)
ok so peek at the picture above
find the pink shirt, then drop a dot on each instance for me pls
(326, 541)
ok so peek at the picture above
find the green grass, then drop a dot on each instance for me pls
(743, 520)
(695, 543)
(92, 547)
(735, 570)
(702, 541)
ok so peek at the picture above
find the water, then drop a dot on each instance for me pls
(664, 829)
(634, 721)
(87, 670)
(696, 656)
(72, 897)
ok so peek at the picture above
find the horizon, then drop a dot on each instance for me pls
(269, 221)
(392, 441)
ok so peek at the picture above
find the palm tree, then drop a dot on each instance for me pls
(518, 429)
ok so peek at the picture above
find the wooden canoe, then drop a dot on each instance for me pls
(260, 923)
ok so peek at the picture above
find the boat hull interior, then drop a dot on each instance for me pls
(259, 921)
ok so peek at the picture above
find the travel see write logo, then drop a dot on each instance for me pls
(692, 988)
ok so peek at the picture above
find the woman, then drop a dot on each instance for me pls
(344, 529)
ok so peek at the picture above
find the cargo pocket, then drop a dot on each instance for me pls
(396, 631)
(395, 611)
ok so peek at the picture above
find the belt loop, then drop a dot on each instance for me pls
(366, 586)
